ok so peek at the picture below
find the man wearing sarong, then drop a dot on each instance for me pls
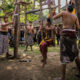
(68, 46)
(4, 37)
(46, 42)
(30, 32)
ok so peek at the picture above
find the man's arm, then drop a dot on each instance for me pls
(77, 23)
(58, 15)
(6, 24)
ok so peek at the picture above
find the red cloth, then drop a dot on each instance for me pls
(43, 49)
(68, 32)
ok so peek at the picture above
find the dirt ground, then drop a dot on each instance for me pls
(16, 70)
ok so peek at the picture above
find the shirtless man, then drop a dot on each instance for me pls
(30, 33)
(4, 37)
(47, 41)
(68, 47)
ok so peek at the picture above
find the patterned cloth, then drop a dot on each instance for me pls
(49, 41)
(45, 43)
(3, 43)
(68, 46)
(30, 39)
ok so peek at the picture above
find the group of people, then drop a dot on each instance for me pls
(67, 36)
(68, 43)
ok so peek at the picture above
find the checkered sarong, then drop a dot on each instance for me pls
(3, 43)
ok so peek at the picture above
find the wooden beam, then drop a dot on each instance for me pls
(1, 16)
(37, 10)
(23, 3)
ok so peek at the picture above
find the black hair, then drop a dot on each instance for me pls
(49, 20)
(70, 7)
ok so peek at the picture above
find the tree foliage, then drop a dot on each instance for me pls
(8, 6)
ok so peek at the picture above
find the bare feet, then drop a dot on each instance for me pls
(44, 63)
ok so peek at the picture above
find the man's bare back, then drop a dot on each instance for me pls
(68, 19)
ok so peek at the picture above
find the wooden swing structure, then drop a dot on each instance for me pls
(17, 23)
(17, 19)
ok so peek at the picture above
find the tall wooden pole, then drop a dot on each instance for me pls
(26, 25)
(51, 17)
(33, 4)
(41, 16)
(77, 3)
(59, 1)
(16, 26)
(66, 2)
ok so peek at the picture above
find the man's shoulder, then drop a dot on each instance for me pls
(63, 12)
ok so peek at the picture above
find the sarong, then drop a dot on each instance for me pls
(45, 43)
(30, 39)
(68, 46)
(3, 42)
